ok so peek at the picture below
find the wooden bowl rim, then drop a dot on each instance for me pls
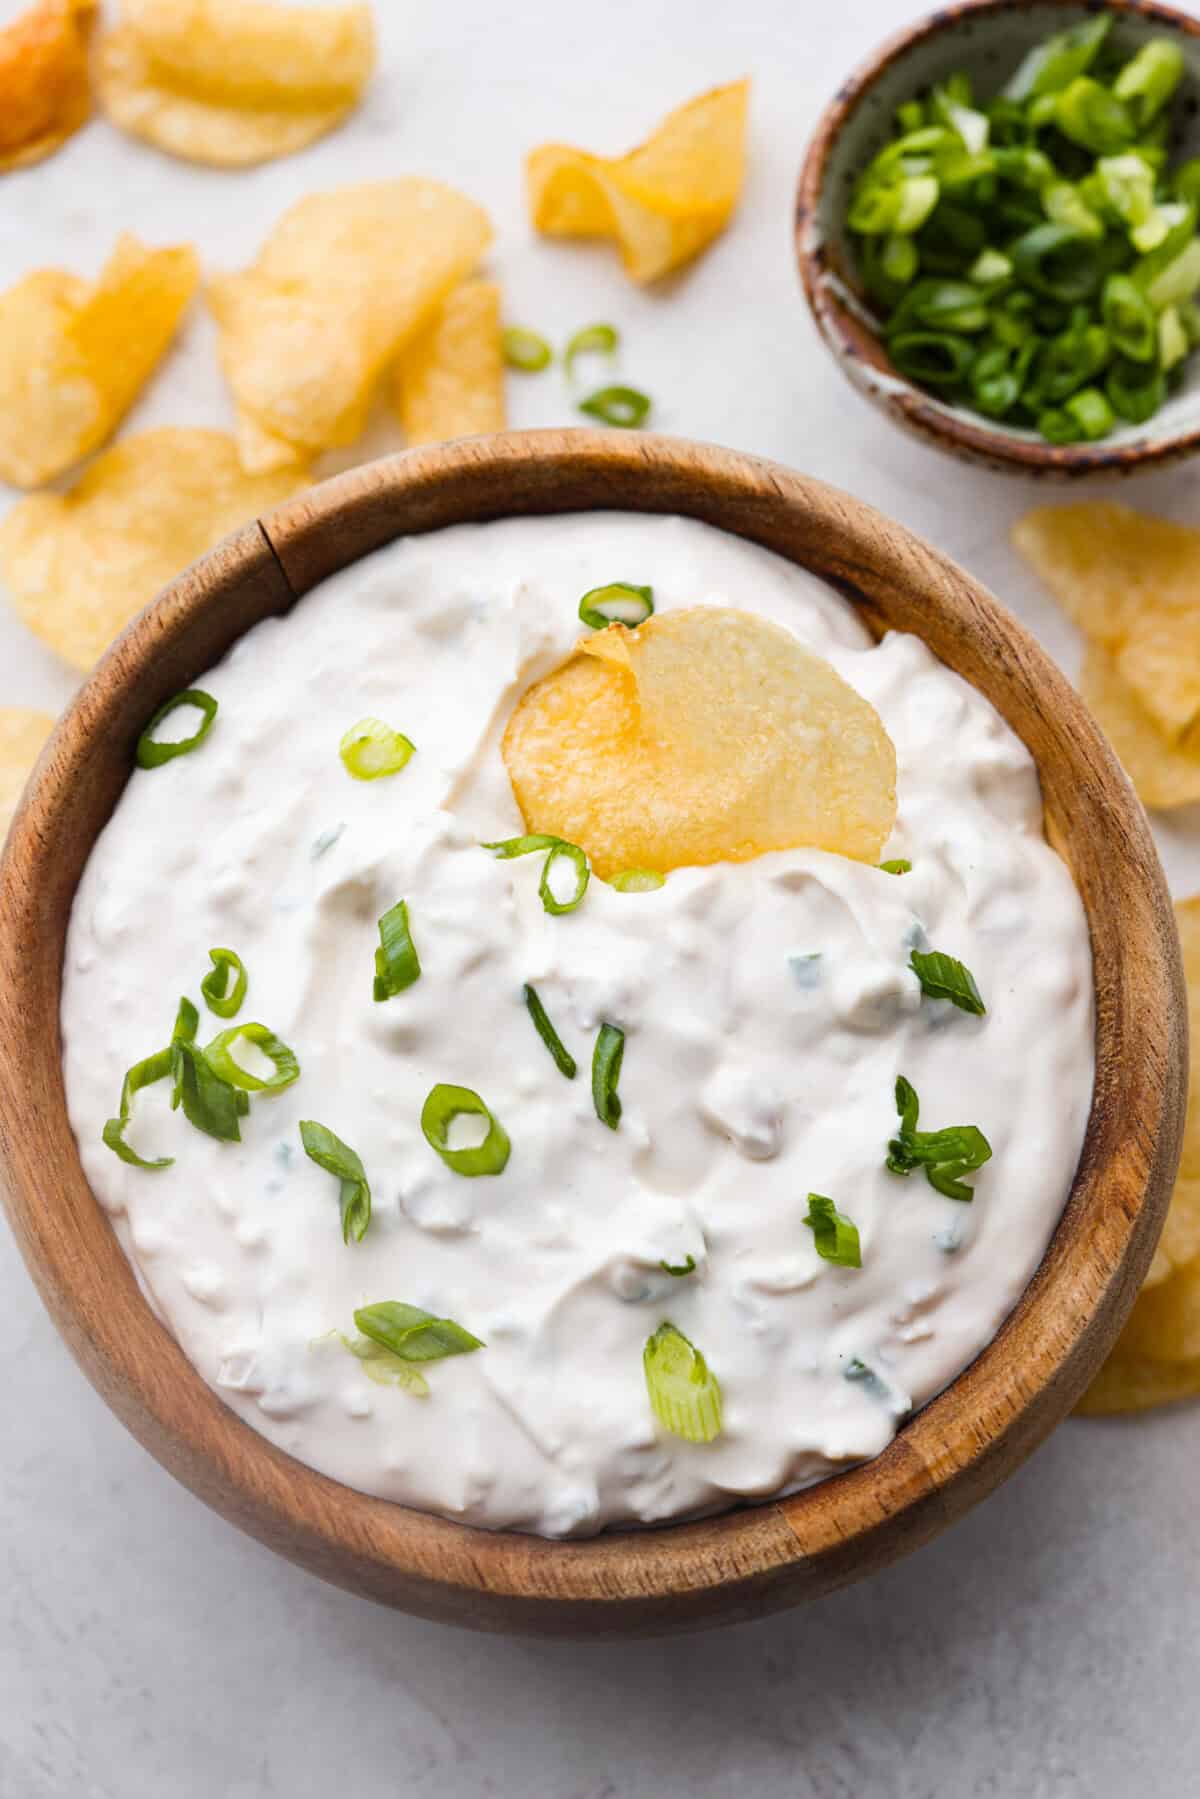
(908, 405)
(753, 1556)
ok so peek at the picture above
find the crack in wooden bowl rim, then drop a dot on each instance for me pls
(754, 1557)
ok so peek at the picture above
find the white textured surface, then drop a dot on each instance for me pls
(1046, 1647)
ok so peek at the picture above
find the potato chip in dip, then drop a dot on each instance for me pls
(530, 1188)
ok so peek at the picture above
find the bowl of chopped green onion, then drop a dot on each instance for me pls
(998, 230)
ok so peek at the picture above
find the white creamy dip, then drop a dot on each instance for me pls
(768, 1008)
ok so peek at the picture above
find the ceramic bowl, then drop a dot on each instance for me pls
(753, 1557)
(988, 39)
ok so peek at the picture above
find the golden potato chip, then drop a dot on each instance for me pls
(74, 355)
(1164, 774)
(705, 735)
(664, 201)
(450, 382)
(340, 286)
(1131, 582)
(233, 82)
(1129, 1383)
(44, 95)
(1164, 1324)
(22, 734)
(81, 565)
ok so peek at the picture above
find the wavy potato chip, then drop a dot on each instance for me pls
(22, 734)
(450, 381)
(705, 735)
(233, 82)
(664, 201)
(1164, 774)
(1129, 1383)
(338, 289)
(81, 565)
(1131, 582)
(74, 355)
(44, 89)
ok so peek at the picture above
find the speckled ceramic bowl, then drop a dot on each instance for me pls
(987, 38)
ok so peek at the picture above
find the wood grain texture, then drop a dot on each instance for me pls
(753, 1558)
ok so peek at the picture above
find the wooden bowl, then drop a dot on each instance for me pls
(754, 1557)
(988, 39)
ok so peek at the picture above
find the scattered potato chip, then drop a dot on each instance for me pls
(1164, 774)
(450, 381)
(44, 95)
(74, 355)
(664, 201)
(234, 82)
(705, 735)
(338, 289)
(81, 565)
(1131, 582)
(1129, 1383)
(22, 734)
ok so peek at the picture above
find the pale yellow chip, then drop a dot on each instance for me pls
(342, 284)
(233, 82)
(705, 735)
(74, 355)
(22, 734)
(1129, 1383)
(1164, 774)
(44, 89)
(450, 380)
(1131, 582)
(664, 201)
(79, 566)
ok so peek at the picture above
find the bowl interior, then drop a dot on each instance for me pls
(754, 1557)
(988, 40)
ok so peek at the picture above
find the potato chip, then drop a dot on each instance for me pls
(450, 382)
(81, 565)
(22, 734)
(664, 201)
(233, 82)
(44, 94)
(74, 355)
(1129, 1383)
(705, 735)
(1164, 774)
(1131, 582)
(340, 286)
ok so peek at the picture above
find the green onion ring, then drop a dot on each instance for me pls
(157, 1067)
(626, 407)
(592, 340)
(220, 1058)
(564, 852)
(630, 605)
(371, 749)
(444, 1104)
(525, 350)
(607, 1057)
(152, 753)
(397, 964)
(564, 1061)
(220, 996)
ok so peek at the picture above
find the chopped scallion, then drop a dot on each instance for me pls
(371, 749)
(626, 407)
(835, 1235)
(564, 1061)
(224, 986)
(620, 602)
(153, 751)
(338, 1159)
(412, 1334)
(397, 964)
(220, 1057)
(606, 1073)
(592, 340)
(525, 350)
(158, 1067)
(444, 1104)
(685, 1396)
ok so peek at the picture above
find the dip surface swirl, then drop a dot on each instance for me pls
(768, 1008)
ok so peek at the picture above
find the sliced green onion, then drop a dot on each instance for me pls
(679, 1269)
(371, 749)
(951, 103)
(1149, 79)
(1179, 280)
(1093, 118)
(1055, 62)
(990, 267)
(620, 602)
(446, 1103)
(1185, 182)
(384, 1368)
(942, 306)
(1058, 262)
(412, 1334)
(637, 880)
(899, 865)
(606, 1073)
(592, 340)
(564, 852)
(525, 350)
(564, 1061)
(338, 1159)
(934, 358)
(1129, 319)
(685, 1396)
(943, 977)
(212, 1104)
(153, 751)
(910, 116)
(508, 847)
(1135, 391)
(835, 1235)
(945, 1155)
(157, 1067)
(1090, 413)
(1173, 343)
(397, 964)
(1068, 361)
(626, 407)
(220, 1058)
(224, 986)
